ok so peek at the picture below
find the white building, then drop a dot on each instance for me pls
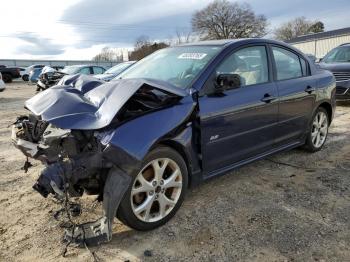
(320, 44)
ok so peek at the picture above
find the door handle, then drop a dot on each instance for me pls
(268, 98)
(310, 89)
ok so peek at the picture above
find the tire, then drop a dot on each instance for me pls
(25, 78)
(152, 217)
(318, 130)
(7, 78)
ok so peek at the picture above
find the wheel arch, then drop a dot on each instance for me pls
(181, 150)
(328, 107)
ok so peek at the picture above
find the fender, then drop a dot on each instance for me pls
(187, 144)
(127, 146)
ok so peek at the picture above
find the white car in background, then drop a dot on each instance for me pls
(2, 84)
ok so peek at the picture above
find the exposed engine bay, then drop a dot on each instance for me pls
(75, 159)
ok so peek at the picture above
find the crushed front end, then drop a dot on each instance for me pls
(74, 164)
(84, 131)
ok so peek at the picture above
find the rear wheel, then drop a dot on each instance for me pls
(25, 77)
(157, 190)
(318, 131)
(7, 78)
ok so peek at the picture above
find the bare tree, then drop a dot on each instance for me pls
(108, 54)
(184, 36)
(144, 46)
(297, 27)
(223, 20)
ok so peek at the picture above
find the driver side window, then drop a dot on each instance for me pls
(249, 63)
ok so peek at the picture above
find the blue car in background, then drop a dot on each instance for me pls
(34, 75)
(176, 118)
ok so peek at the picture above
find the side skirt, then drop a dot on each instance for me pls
(225, 170)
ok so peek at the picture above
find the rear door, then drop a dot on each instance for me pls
(296, 90)
(240, 123)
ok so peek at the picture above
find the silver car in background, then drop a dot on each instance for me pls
(114, 71)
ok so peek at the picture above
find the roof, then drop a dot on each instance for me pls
(213, 42)
(87, 65)
(227, 42)
(317, 36)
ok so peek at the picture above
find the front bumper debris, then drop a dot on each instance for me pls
(29, 149)
(91, 233)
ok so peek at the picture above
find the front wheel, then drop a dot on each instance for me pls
(157, 190)
(318, 132)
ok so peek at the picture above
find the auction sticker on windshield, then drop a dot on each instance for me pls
(196, 56)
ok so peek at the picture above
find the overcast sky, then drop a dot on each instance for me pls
(78, 29)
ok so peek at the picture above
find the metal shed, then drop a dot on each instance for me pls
(320, 44)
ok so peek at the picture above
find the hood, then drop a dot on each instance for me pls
(68, 107)
(335, 67)
(83, 83)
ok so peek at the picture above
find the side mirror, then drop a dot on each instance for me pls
(319, 60)
(227, 81)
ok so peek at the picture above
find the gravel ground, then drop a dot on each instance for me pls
(293, 206)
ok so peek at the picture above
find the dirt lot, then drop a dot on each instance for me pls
(293, 206)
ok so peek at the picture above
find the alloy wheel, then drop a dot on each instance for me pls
(156, 190)
(319, 129)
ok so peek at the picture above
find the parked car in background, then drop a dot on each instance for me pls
(9, 73)
(51, 78)
(338, 62)
(83, 69)
(114, 71)
(178, 117)
(2, 84)
(28, 70)
(34, 75)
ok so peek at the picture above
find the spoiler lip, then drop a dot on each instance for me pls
(68, 107)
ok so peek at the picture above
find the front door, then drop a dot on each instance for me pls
(239, 124)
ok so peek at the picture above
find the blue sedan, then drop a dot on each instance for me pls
(174, 119)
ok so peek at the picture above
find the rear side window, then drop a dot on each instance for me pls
(98, 70)
(85, 71)
(288, 65)
(249, 63)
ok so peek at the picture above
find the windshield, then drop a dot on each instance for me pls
(70, 70)
(177, 65)
(338, 55)
(118, 68)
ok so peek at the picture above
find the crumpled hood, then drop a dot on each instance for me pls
(83, 83)
(69, 108)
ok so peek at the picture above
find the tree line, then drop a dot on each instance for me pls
(221, 19)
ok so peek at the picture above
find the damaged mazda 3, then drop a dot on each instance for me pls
(179, 116)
